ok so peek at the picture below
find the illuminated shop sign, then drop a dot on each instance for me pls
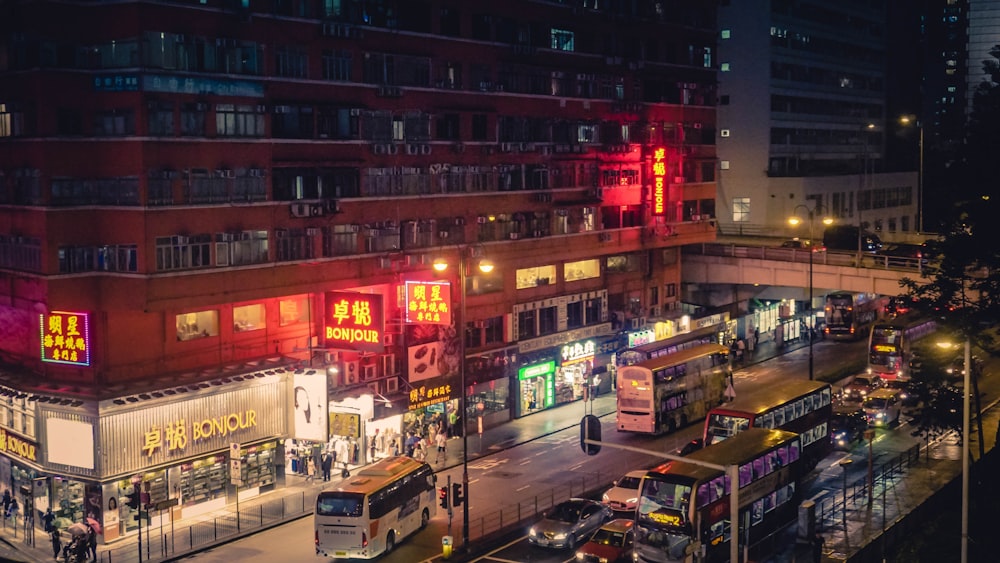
(427, 395)
(23, 448)
(536, 370)
(640, 337)
(428, 302)
(354, 321)
(659, 181)
(174, 435)
(65, 338)
(578, 351)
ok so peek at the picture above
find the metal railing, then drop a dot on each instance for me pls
(830, 510)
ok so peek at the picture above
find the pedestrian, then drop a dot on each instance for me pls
(452, 422)
(756, 336)
(12, 510)
(371, 446)
(327, 465)
(310, 469)
(751, 344)
(419, 453)
(48, 518)
(56, 543)
(92, 541)
(6, 500)
(442, 441)
(817, 545)
(411, 442)
(741, 347)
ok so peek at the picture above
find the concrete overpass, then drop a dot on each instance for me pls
(717, 274)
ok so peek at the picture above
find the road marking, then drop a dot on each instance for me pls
(522, 488)
(525, 462)
(489, 463)
(577, 466)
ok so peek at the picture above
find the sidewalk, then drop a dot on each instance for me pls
(298, 491)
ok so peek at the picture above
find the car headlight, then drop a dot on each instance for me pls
(561, 536)
(605, 498)
(580, 556)
(532, 531)
(880, 415)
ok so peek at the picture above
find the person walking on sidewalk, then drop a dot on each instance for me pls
(442, 441)
(56, 543)
(92, 542)
(311, 469)
(751, 344)
(327, 465)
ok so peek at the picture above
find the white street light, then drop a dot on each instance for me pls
(795, 221)
(966, 386)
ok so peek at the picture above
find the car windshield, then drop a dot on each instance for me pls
(608, 537)
(565, 513)
(861, 382)
(629, 482)
(876, 403)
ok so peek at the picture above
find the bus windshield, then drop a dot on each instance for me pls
(664, 503)
(722, 426)
(336, 503)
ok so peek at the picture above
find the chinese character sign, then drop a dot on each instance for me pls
(428, 302)
(65, 338)
(354, 321)
(659, 181)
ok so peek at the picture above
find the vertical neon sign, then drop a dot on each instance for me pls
(659, 181)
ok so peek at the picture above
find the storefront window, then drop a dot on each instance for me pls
(548, 320)
(582, 270)
(294, 310)
(201, 324)
(258, 465)
(203, 480)
(249, 317)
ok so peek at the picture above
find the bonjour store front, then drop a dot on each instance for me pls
(173, 445)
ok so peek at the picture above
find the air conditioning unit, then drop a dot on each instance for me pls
(458, 148)
(392, 149)
(380, 149)
(425, 149)
(514, 236)
(301, 210)
(389, 339)
(481, 220)
(596, 193)
(443, 234)
(505, 147)
(352, 372)
(332, 206)
(331, 357)
(280, 233)
(412, 149)
(637, 322)
(312, 232)
(604, 237)
(524, 147)
(545, 149)
(369, 372)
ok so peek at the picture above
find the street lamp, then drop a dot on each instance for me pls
(966, 385)
(485, 266)
(844, 464)
(861, 183)
(795, 221)
(907, 120)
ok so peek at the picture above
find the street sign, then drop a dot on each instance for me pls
(235, 471)
(165, 504)
(234, 450)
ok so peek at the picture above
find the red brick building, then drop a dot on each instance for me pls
(190, 181)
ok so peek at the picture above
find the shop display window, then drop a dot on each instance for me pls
(202, 324)
(203, 480)
(249, 317)
(258, 465)
(67, 499)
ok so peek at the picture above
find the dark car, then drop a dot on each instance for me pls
(803, 244)
(569, 522)
(612, 543)
(902, 255)
(849, 238)
(910, 392)
(861, 386)
(847, 427)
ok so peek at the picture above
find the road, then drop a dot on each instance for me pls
(527, 475)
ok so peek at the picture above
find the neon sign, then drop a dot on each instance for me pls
(174, 435)
(659, 181)
(65, 338)
(428, 302)
(354, 321)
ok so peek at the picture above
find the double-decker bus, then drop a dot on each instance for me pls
(372, 511)
(684, 508)
(890, 344)
(676, 343)
(669, 392)
(798, 405)
(848, 315)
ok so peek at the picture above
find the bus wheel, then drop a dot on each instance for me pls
(425, 517)
(390, 542)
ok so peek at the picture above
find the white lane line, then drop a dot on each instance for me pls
(522, 488)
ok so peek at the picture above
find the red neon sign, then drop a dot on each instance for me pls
(428, 302)
(354, 321)
(659, 181)
(65, 338)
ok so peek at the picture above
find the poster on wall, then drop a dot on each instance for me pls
(435, 354)
(94, 507)
(309, 407)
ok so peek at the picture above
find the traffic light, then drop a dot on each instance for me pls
(133, 499)
(456, 494)
(443, 496)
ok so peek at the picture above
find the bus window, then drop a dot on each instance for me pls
(779, 417)
(746, 475)
(341, 504)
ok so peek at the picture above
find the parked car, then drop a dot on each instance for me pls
(611, 543)
(883, 407)
(848, 237)
(847, 426)
(624, 495)
(861, 386)
(569, 522)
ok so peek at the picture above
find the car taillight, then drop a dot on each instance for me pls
(364, 539)
(317, 537)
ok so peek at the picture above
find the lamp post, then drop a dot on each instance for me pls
(486, 267)
(907, 120)
(844, 464)
(794, 221)
(861, 185)
(966, 384)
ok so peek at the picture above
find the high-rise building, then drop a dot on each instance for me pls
(802, 119)
(218, 221)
